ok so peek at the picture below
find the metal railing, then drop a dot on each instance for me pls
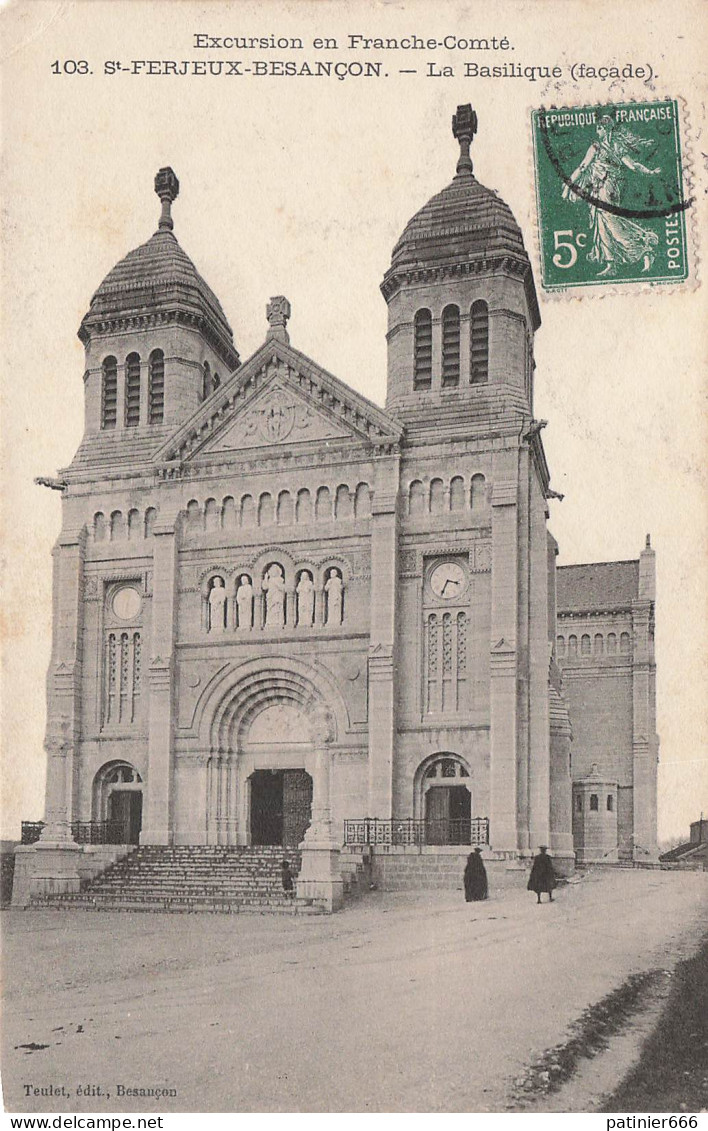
(372, 830)
(83, 832)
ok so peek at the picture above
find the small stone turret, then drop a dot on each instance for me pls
(462, 303)
(156, 338)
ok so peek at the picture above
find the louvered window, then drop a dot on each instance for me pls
(422, 349)
(132, 390)
(109, 393)
(156, 389)
(479, 343)
(450, 346)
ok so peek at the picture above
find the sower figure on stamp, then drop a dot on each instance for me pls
(601, 176)
(475, 878)
(542, 877)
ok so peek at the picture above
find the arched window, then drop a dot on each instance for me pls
(134, 524)
(477, 492)
(303, 506)
(194, 516)
(458, 493)
(479, 343)
(585, 645)
(284, 514)
(323, 505)
(437, 496)
(228, 513)
(156, 388)
(215, 381)
(422, 349)
(117, 530)
(599, 644)
(611, 644)
(266, 510)
(211, 515)
(594, 805)
(150, 516)
(132, 390)
(451, 346)
(343, 502)
(416, 498)
(109, 393)
(625, 643)
(362, 501)
(572, 645)
(610, 803)
(206, 381)
(248, 511)
(560, 645)
(99, 527)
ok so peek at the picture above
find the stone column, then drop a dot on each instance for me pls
(561, 789)
(51, 865)
(645, 741)
(320, 876)
(503, 659)
(382, 639)
(158, 827)
(538, 665)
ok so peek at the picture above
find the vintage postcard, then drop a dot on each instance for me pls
(354, 427)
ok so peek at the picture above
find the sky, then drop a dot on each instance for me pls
(301, 186)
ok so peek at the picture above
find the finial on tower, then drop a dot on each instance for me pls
(167, 188)
(464, 127)
(277, 313)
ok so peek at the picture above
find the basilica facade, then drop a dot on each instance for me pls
(285, 615)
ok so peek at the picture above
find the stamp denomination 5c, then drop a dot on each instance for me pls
(610, 195)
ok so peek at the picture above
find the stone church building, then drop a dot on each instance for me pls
(286, 616)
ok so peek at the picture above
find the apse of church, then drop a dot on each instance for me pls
(285, 614)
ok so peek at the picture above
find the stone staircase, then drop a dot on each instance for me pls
(191, 878)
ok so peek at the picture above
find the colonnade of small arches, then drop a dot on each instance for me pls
(284, 508)
(594, 803)
(117, 526)
(599, 644)
(274, 597)
(439, 496)
(450, 360)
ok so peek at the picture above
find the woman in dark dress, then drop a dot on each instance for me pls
(542, 877)
(475, 877)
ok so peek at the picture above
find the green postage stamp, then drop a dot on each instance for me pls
(610, 195)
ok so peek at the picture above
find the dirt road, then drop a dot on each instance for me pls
(400, 1003)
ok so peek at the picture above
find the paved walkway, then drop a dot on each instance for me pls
(400, 1003)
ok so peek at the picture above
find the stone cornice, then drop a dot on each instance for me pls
(508, 263)
(135, 323)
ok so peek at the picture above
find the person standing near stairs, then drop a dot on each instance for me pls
(287, 879)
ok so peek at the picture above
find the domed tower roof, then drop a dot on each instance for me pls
(159, 278)
(461, 227)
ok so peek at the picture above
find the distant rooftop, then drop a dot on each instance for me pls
(600, 585)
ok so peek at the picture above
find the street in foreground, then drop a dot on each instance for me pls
(406, 1002)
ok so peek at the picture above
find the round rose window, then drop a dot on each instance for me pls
(126, 603)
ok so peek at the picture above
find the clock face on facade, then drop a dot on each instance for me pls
(126, 603)
(447, 580)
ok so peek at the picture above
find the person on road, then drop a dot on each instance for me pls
(475, 877)
(542, 877)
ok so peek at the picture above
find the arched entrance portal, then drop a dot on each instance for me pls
(269, 735)
(445, 800)
(118, 800)
(276, 745)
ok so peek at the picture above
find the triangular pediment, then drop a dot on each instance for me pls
(279, 399)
